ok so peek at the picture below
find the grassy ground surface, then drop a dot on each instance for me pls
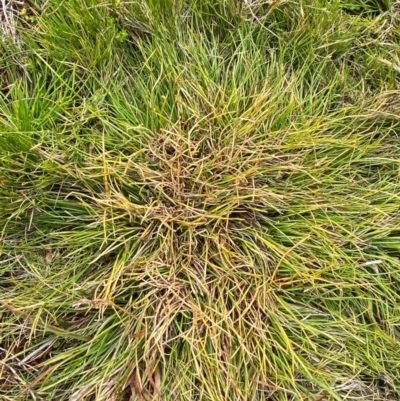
(199, 200)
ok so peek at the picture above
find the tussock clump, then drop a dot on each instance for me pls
(200, 214)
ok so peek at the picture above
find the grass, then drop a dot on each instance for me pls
(199, 200)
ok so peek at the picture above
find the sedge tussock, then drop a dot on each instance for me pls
(200, 201)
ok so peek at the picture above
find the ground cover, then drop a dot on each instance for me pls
(199, 200)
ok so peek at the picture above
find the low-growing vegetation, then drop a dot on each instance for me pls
(199, 200)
